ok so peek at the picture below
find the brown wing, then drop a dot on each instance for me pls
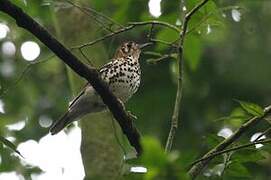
(79, 95)
(101, 70)
(105, 67)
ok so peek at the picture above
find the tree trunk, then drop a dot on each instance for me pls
(101, 154)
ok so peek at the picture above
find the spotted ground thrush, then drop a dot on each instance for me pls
(122, 75)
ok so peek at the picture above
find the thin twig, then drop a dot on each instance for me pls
(151, 53)
(196, 169)
(127, 28)
(161, 58)
(203, 20)
(175, 116)
(150, 34)
(170, 44)
(182, 9)
(98, 14)
(131, 26)
(267, 131)
(99, 22)
(206, 17)
(240, 147)
(158, 56)
(95, 15)
(86, 58)
(226, 162)
(24, 72)
(161, 23)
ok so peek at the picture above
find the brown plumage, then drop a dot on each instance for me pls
(123, 77)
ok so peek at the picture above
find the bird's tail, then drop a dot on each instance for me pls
(61, 123)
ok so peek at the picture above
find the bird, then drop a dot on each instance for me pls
(122, 74)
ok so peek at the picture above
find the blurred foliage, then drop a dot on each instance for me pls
(9, 144)
(224, 60)
(251, 108)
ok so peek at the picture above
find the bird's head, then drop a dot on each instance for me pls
(128, 50)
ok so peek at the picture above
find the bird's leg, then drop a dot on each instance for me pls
(122, 104)
(131, 115)
(128, 112)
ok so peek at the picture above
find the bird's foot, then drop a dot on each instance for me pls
(131, 115)
(128, 112)
(122, 104)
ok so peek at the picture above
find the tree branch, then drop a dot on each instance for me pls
(263, 134)
(177, 107)
(130, 26)
(196, 169)
(89, 73)
(232, 149)
(161, 23)
(127, 28)
(170, 44)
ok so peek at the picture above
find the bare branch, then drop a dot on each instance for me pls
(131, 26)
(177, 107)
(150, 34)
(86, 58)
(170, 44)
(161, 58)
(267, 131)
(97, 13)
(240, 147)
(127, 28)
(161, 23)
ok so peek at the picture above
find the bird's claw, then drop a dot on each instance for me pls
(128, 112)
(131, 115)
(122, 104)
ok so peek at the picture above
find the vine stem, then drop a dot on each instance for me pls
(180, 59)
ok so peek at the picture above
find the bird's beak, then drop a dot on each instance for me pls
(141, 46)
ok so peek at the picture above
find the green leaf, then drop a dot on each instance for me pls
(229, 118)
(237, 170)
(153, 158)
(248, 155)
(121, 15)
(251, 108)
(213, 140)
(192, 51)
(191, 4)
(153, 155)
(236, 117)
(239, 116)
(100, 5)
(166, 35)
(210, 7)
(10, 145)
